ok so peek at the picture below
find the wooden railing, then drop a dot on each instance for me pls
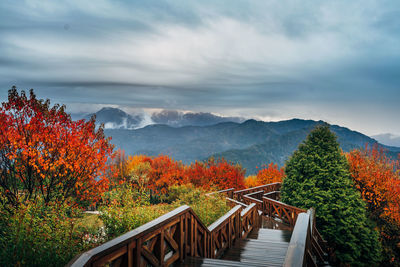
(172, 237)
(228, 192)
(304, 248)
(224, 232)
(255, 197)
(275, 195)
(250, 220)
(299, 250)
(157, 243)
(280, 210)
(266, 188)
(234, 202)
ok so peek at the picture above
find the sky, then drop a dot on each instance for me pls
(337, 61)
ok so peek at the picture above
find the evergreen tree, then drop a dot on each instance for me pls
(318, 176)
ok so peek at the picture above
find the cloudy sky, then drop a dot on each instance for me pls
(338, 61)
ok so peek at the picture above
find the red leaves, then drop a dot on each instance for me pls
(377, 178)
(48, 153)
(216, 173)
(158, 173)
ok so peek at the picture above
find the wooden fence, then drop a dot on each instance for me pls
(172, 237)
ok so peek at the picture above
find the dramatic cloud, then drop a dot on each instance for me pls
(333, 60)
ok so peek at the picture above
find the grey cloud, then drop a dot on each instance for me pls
(225, 56)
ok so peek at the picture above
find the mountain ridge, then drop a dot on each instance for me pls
(251, 143)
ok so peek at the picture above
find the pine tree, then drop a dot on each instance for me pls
(318, 176)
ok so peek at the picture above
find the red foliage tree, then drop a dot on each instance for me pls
(216, 173)
(377, 178)
(44, 153)
(164, 172)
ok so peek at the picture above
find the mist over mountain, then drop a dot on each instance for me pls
(114, 118)
(388, 139)
(178, 119)
(251, 143)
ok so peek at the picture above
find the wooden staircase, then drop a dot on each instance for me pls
(262, 247)
(258, 231)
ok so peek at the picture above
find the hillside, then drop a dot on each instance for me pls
(251, 143)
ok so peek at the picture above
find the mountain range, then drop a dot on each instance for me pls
(114, 118)
(250, 143)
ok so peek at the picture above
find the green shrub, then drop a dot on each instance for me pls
(208, 208)
(36, 234)
(121, 219)
(126, 208)
(122, 216)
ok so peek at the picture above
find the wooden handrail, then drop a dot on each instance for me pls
(234, 202)
(266, 188)
(248, 200)
(224, 232)
(275, 195)
(296, 253)
(228, 192)
(250, 219)
(180, 228)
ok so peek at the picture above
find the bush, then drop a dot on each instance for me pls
(36, 234)
(121, 217)
(208, 208)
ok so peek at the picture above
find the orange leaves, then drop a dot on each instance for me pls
(268, 174)
(49, 153)
(377, 178)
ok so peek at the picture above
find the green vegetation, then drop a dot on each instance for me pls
(208, 208)
(318, 176)
(126, 214)
(41, 235)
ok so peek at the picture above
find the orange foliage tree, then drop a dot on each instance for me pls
(268, 174)
(377, 178)
(251, 181)
(46, 154)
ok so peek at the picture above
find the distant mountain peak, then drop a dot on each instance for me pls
(115, 118)
(178, 118)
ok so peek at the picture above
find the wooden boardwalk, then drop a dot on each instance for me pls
(258, 231)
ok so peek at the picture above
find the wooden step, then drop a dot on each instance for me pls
(271, 235)
(204, 262)
(264, 251)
